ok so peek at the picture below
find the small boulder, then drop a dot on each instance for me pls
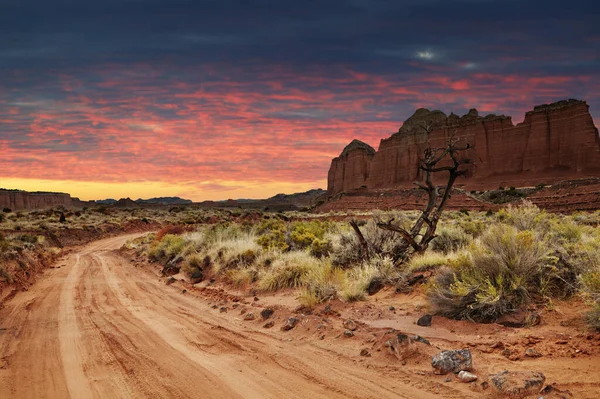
(348, 334)
(365, 352)
(453, 361)
(266, 313)
(374, 286)
(269, 324)
(223, 309)
(530, 352)
(350, 325)
(465, 376)
(170, 280)
(249, 316)
(196, 277)
(418, 338)
(518, 384)
(424, 321)
(289, 323)
(520, 319)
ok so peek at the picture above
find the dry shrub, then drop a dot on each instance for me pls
(501, 273)
(450, 239)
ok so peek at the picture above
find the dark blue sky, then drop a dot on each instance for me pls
(230, 95)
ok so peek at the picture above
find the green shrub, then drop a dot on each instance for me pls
(166, 249)
(501, 273)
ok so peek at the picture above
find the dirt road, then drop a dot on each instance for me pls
(99, 327)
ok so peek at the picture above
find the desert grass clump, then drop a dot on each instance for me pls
(322, 283)
(167, 248)
(289, 270)
(429, 260)
(502, 272)
(526, 216)
(591, 291)
(376, 271)
(358, 280)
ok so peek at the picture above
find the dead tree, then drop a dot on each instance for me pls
(437, 198)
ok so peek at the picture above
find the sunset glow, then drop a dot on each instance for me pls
(195, 100)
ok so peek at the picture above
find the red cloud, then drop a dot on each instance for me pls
(268, 126)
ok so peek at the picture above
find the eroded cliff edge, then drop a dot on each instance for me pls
(18, 200)
(555, 142)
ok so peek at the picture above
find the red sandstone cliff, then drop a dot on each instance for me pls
(555, 142)
(20, 200)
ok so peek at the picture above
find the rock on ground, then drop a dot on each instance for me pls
(452, 361)
(424, 321)
(465, 376)
(518, 384)
(289, 324)
(350, 325)
(266, 313)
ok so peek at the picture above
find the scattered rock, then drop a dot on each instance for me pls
(452, 361)
(365, 352)
(249, 316)
(465, 376)
(530, 352)
(348, 334)
(235, 305)
(518, 384)
(375, 286)
(183, 291)
(424, 321)
(256, 299)
(321, 337)
(520, 319)
(448, 379)
(269, 324)
(418, 338)
(551, 389)
(392, 308)
(289, 323)
(350, 325)
(266, 313)
(170, 280)
(196, 277)
(223, 309)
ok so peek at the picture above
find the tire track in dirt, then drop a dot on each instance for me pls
(70, 337)
(100, 328)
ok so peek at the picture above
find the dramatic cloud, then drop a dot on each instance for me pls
(216, 99)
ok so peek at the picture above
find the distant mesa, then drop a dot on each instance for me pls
(150, 201)
(19, 200)
(557, 141)
(164, 201)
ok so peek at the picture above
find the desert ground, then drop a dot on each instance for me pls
(112, 317)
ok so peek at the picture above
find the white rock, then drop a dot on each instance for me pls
(465, 376)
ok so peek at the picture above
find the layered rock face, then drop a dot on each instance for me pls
(351, 169)
(555, 142)
(20, 200)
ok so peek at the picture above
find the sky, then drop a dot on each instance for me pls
(250, 98)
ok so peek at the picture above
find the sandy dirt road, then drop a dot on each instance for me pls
(98, 327)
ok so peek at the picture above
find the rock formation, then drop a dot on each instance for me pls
(555, 142)
(19, 200)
